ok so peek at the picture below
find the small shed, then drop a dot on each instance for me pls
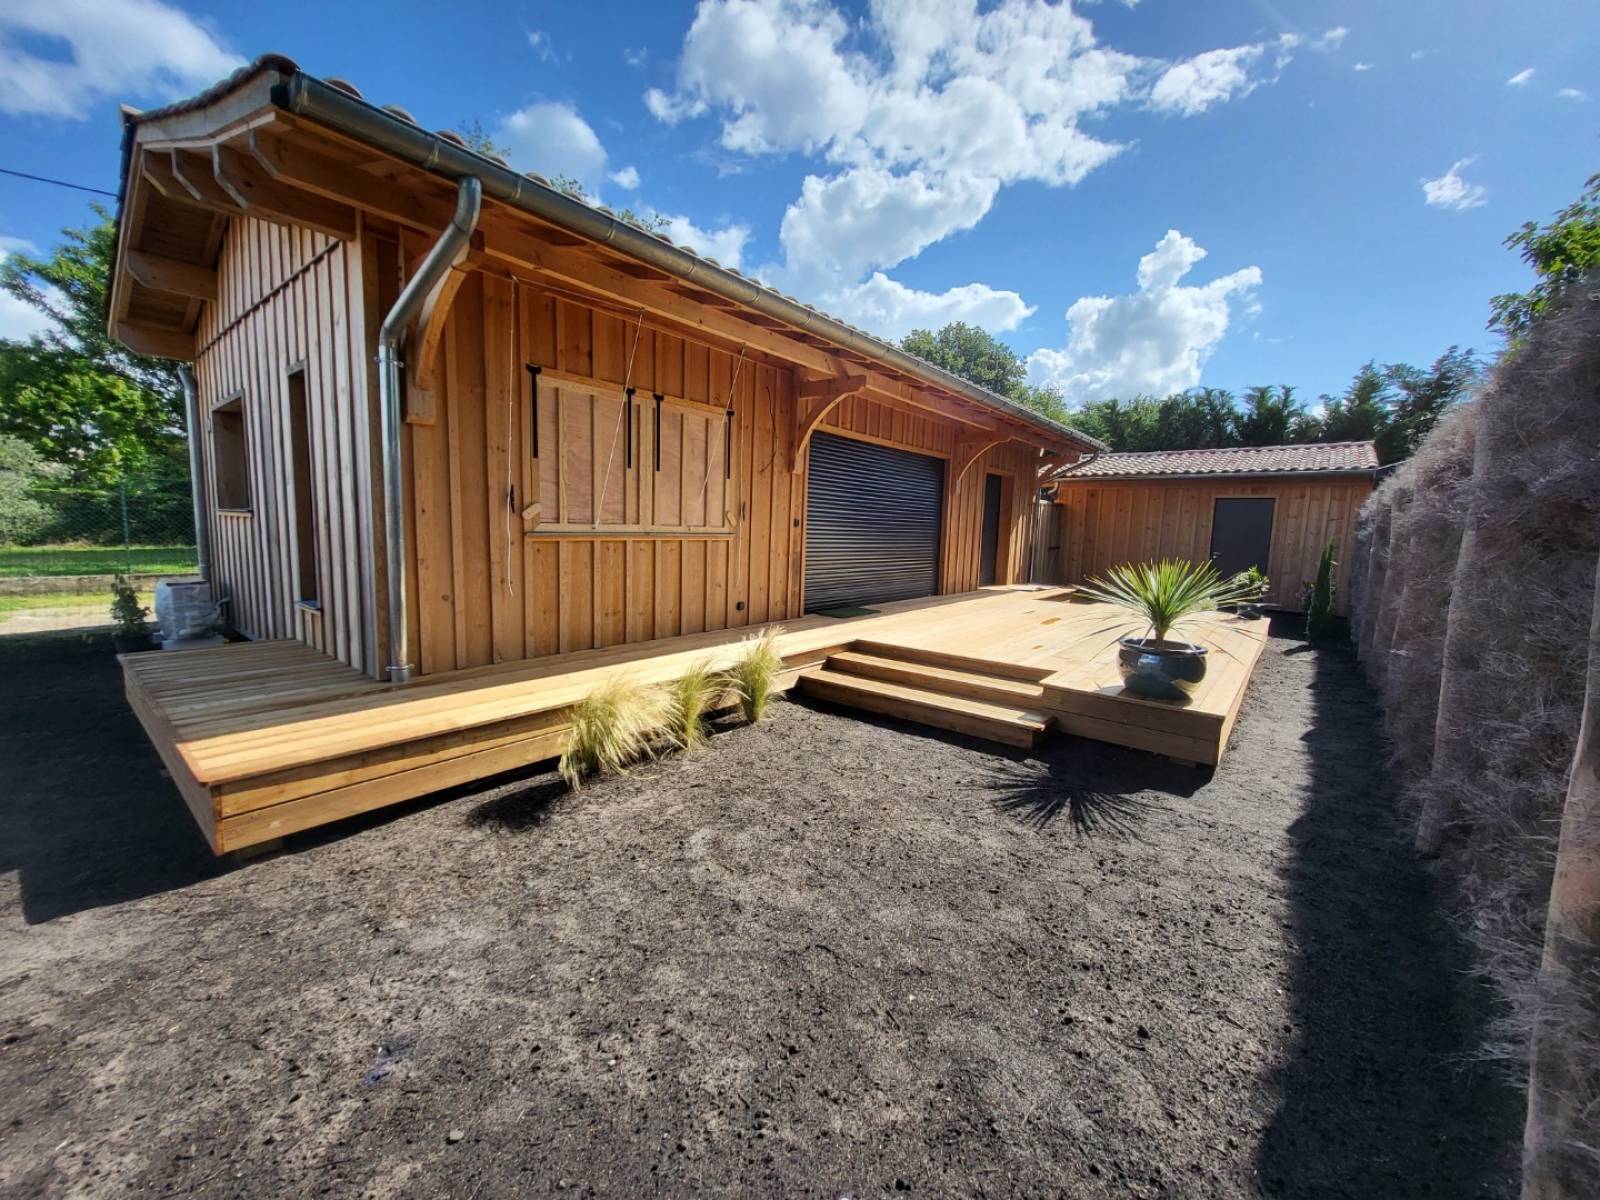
(1272, 507)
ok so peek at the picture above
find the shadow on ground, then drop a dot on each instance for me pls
(88, 816)
(1379, 1097)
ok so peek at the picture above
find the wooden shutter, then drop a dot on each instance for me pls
(598, 469)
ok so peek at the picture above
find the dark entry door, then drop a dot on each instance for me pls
(872, 523)
(1241, 534)
(991, 530)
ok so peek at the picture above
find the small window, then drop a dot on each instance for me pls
(305, 513)
(229, 456)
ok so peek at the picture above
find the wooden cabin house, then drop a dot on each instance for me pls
(444, 415)
(1271, 507)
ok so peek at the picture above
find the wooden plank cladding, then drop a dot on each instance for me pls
(582, 480)
(1111, 522)
(290, 300)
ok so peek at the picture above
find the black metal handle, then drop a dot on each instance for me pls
(533, 409)
(727, 446)
(658, 430)
(627, 430)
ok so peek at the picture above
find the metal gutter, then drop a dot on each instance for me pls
(453, 241)
(306, 96)
(1216, 476)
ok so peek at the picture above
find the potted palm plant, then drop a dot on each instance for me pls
(1163, 597)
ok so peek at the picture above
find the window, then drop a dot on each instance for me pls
(308, 586)
(229, 458)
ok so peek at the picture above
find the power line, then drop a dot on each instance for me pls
(77, 187)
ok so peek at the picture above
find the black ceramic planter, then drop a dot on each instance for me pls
(1160, 670)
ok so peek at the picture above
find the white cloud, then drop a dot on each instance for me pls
(1450, 190)
(1332, 39)
(1363, 66)
(726, 245)
(1574, 94)
(1193, 86)
(917, 116)
(118, 49)
(892, 310)
(539, 40)
(868, 217)
(627, 178)
(552, 139)
(1155, 340)
(1521, 78)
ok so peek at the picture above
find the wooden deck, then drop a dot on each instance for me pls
(269, 738)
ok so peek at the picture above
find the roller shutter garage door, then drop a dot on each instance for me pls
(872, 523)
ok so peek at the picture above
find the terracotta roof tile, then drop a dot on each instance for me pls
(1238, 460)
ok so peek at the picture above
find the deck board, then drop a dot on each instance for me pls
(281, 737)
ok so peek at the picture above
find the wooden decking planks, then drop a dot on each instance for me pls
(268, 738)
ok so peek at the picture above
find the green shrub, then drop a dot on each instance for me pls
(689, 698)
(1165, 597)
(1321, 624)
(612, 727)
(129, 615)
(754, 677)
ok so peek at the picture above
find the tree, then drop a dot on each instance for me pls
(76, 397)
(1359, 415)
(1560, 253)
(22, 518)
(1422, 398)
(1270, 416)
(979, 357)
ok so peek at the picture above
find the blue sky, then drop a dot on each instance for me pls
(1136, 196)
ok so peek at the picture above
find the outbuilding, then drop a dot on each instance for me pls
(1270, 507)
(447, 415)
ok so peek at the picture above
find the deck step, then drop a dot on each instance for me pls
(954, 662)
(972, 685)
(1007, 723)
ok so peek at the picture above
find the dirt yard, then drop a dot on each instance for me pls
(828, 957)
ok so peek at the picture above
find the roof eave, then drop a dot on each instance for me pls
(311, 98)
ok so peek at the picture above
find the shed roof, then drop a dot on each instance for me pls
(339, 105)
(1327, 458)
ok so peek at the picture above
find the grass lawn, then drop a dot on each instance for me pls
(95, 560)
(16, 604)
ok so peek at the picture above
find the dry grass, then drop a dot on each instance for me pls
(1473, 598)
(613, 727)
(754, 676)
(689, 698)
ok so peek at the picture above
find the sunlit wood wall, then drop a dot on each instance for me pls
(1107, 523)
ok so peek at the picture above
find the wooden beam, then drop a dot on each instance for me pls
(258, 194)
(171, 275)
(193, 175)
(816, 399)
(155, 341)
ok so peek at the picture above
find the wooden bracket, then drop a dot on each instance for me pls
(814, 400)
(968, 451)
(155, 341)
(427, 335)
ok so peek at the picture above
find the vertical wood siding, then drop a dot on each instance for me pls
(1103, 524)
(487, 590)
(290, 298)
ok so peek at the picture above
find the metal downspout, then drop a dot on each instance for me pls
(197, 467)
(444, 254)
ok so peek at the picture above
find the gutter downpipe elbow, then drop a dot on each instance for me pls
(197, 483)
(445, 253)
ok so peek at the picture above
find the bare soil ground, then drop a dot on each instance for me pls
(829, 956)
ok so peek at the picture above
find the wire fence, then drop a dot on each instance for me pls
(139, 526)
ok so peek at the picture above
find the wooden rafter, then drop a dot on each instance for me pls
(258, 194)
(816, 399)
